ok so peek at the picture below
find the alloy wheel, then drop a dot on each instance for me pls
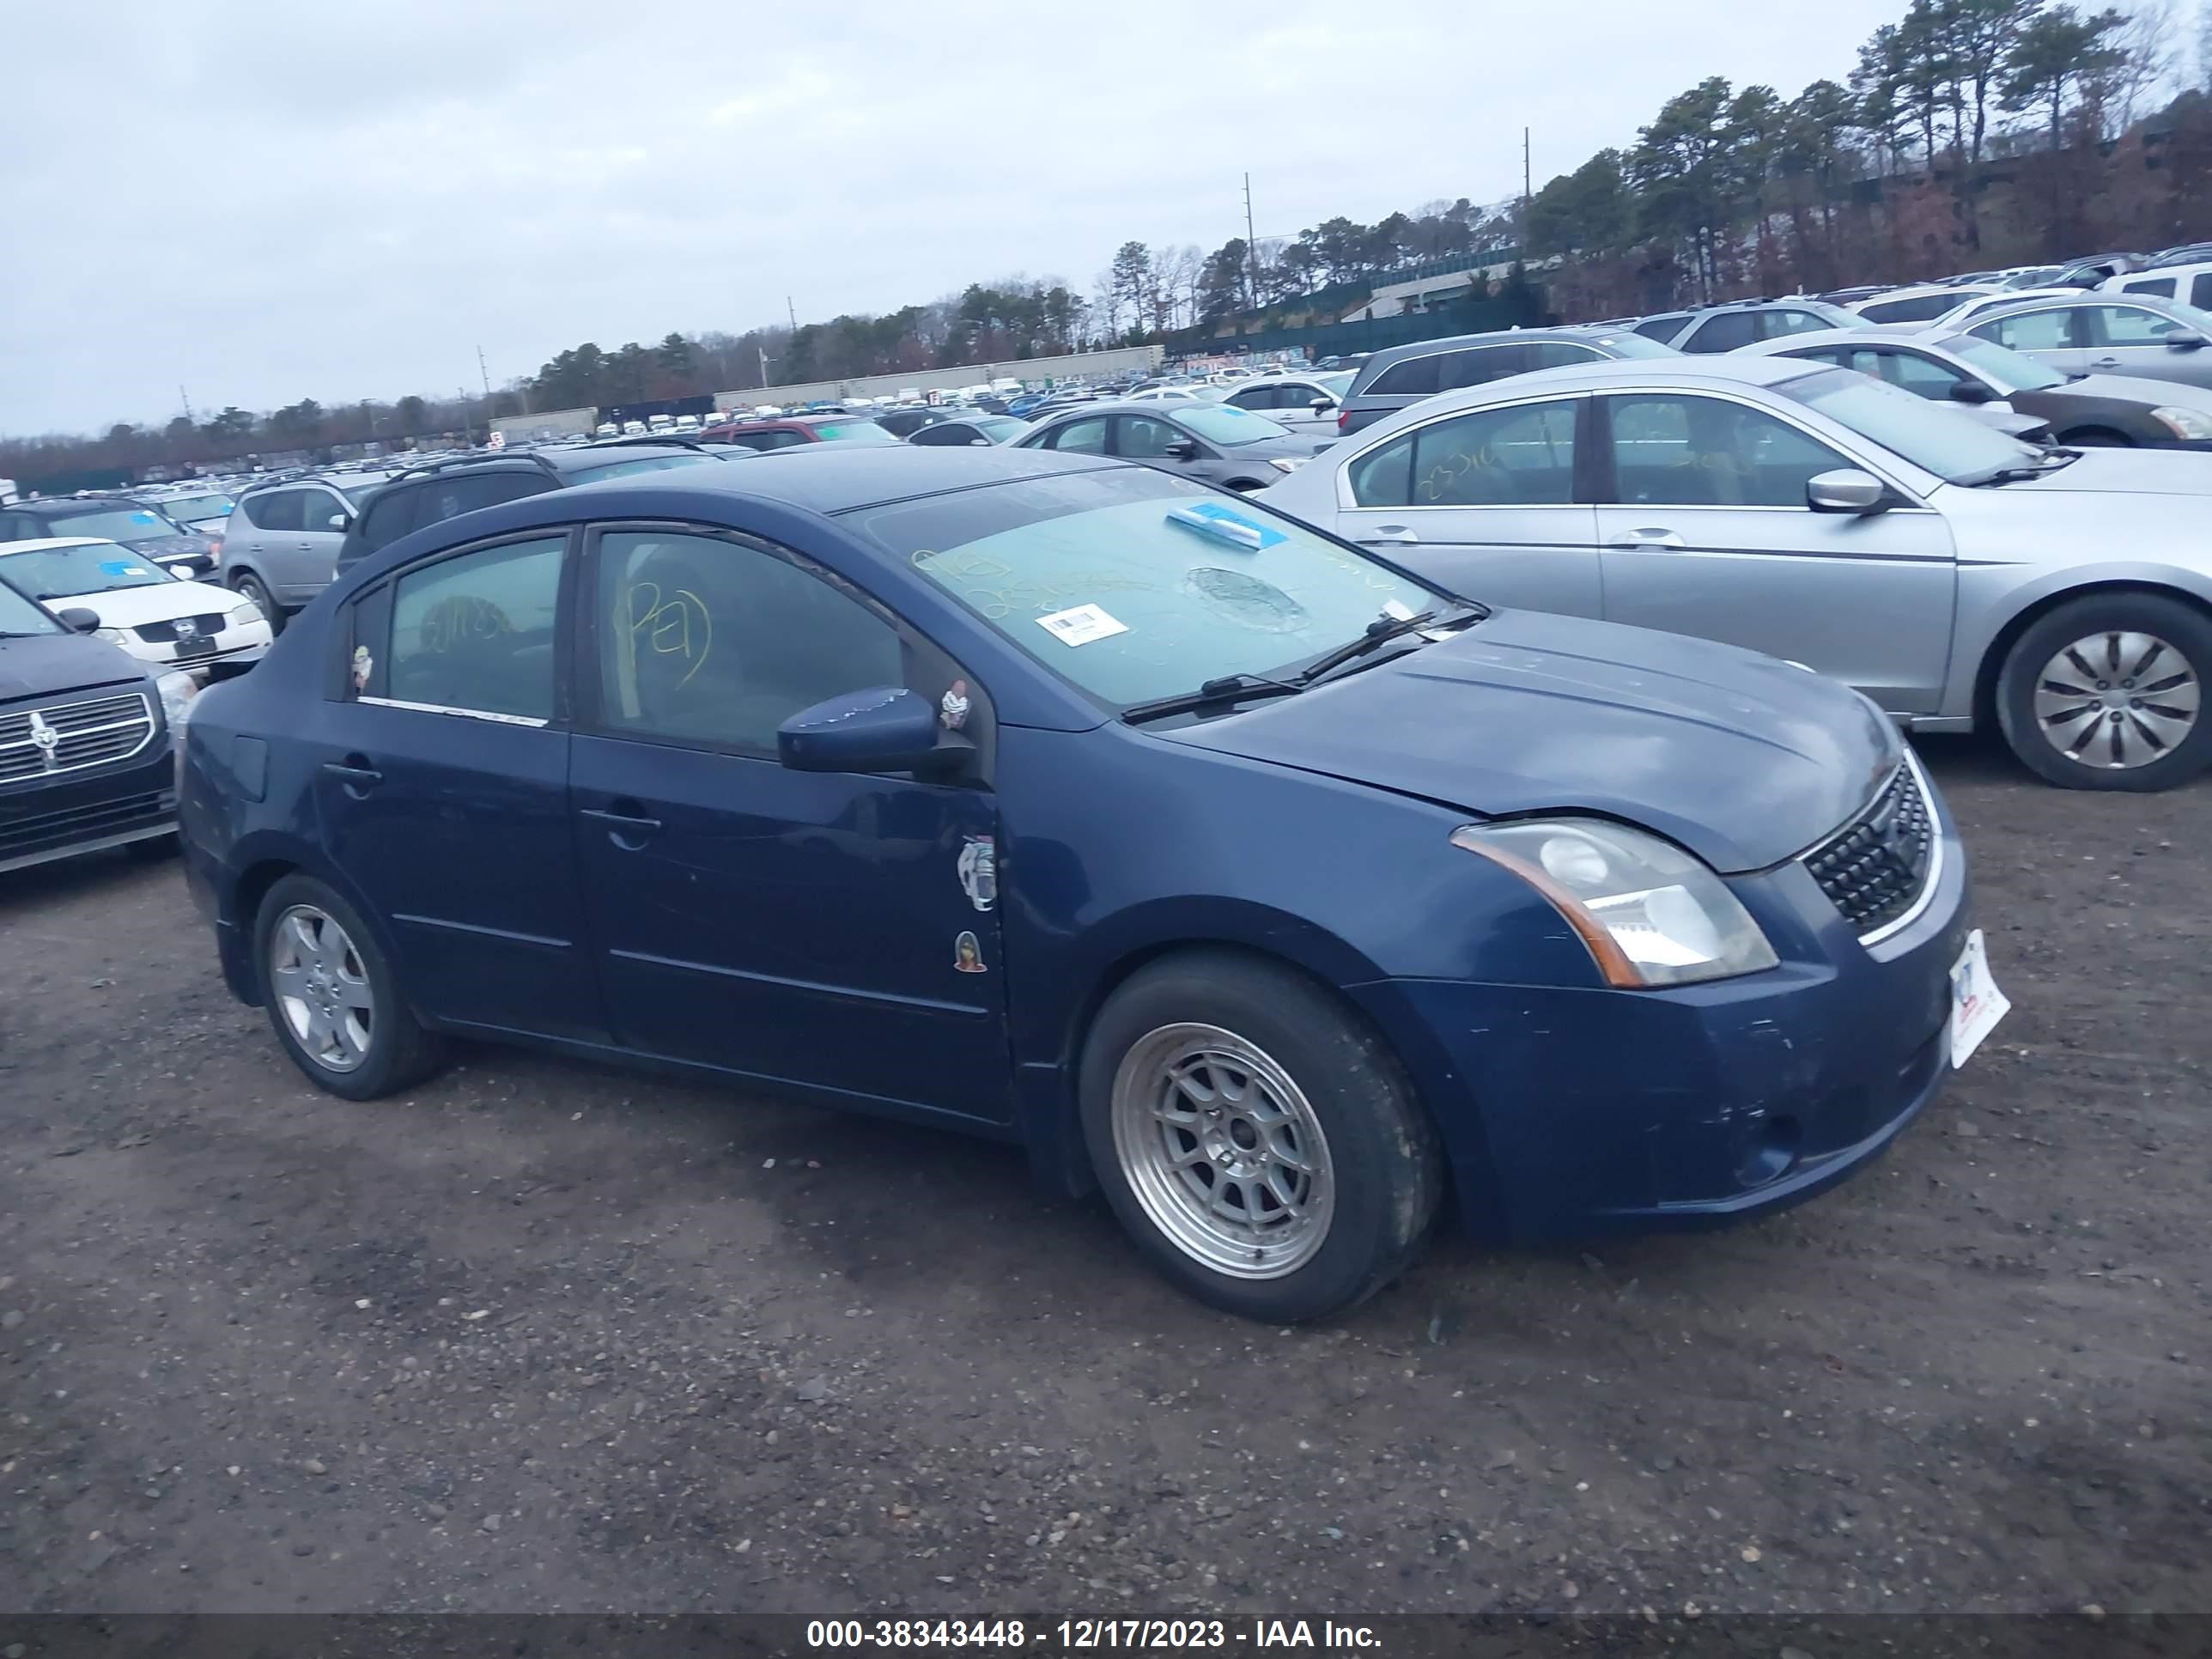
(1223, 1151)
(2117, 700)
(322, 988)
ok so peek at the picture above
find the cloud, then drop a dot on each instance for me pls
(264, 201)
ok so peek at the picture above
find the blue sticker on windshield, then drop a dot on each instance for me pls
(1225, 524)
(145, 518)
(119, 568)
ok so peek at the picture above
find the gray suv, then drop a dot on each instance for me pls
(1740, 322)
(1390, 381)
(280, 545)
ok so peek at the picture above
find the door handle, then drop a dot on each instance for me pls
(354, 774)
(1664, 541)
(1389, 535)
(2105, 362)
(628, 827)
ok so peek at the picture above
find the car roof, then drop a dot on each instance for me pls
(1873, 334)
(1380, 360)
(1688, 371)
(47, 544)
(830, 478)
(73, 503)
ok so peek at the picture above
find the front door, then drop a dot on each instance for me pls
(2126, 339)
(442, 789)
(1705, 531)
(1482, 504)
(822, 929)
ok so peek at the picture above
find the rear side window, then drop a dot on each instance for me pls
(2161, 286)
(1917, 310)
(1416, 377)
(1524, 456)
(1659, 328)
(1558, 354)
(280, 510)
(475, 633)
(2200, 292)
(1724, 332)
(1484, 364)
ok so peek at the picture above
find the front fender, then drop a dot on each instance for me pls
(1993, 596)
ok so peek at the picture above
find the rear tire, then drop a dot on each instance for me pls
(249, 586)
(2106, 692)
(331, 996)
(1259, 1143)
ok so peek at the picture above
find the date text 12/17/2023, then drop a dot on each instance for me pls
(1082, 1635)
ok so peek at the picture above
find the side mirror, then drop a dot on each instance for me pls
(1846, 489)
(1972, 392)
(1183, 449)
(884, 728)
(78, 620)
(2185, 341)
(1319, 405)
(339, 521)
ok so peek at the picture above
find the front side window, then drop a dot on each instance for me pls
(20, 618)
(1923, 377)
(1793, 322)
(280, 510)
(475, 633)
(1219, 423)
(2132, 326)
(1480, 365)
(1725, 332)
(702, 640)
(2009, 370)
(1131, 584)
(2033, 330)
(65, 573)
(325, 511)
(1524, 456)
(1144, 439)
(1687, 451)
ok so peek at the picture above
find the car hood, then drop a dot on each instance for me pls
(2134, 388)
(129, 607)
(51, 664)
(1743, 759)
(2121, 471)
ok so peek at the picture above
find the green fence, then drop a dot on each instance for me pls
(1376, 334)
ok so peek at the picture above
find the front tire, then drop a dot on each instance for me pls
(1257, 1141)
(249, 586)
(2106, 692)
(332, 997)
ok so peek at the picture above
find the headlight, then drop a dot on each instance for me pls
(177, 691)
(1650, 913)
(2184, 423)
(1287, 466)
(245, 615)
(112, 635)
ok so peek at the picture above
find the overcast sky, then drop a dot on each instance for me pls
(262, 201)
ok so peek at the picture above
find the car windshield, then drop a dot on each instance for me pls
(866, 432)
(185, 509)
(64, 573)
(18, 615)
(1132, 586)
(2012, 371)
(1931, 435)
(640, 464)
(1227, 425)
(1630, 344)
(127, 524)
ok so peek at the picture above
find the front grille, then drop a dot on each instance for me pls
(82, 823)
(1873, 870)
(37, 742)
(161, 633)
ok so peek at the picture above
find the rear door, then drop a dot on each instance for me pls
(1703, 529)
(443, 793)
(1484, 503)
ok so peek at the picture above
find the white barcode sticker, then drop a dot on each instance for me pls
(1081, 625)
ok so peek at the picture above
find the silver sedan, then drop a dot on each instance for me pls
(1949, 572)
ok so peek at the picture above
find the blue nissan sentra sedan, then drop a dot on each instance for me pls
(1225, 866)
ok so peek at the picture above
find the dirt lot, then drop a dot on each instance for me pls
(547, 1337)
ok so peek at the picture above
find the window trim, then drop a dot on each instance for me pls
(1346, 502)
(380, 596)
(914, 644)
(1606, 484)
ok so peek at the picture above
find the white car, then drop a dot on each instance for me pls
(1918, 305)
(606, 429)
(156, 617)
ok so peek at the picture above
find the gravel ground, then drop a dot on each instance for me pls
(540, 1337)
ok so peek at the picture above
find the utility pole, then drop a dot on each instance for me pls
(1251, 244)
(1528, 191)
(187, 397)
(791, 311)
(765, 362)
(484, 372)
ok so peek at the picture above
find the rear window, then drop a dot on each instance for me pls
(623, 469)
(847, 431)
(1660, 328)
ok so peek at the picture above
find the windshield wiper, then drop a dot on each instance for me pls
(1378, 634)
(1227, 687)
(2051, 461)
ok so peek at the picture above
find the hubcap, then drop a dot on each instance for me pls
(322, 988)
(2117, 700)
(1223, 1150)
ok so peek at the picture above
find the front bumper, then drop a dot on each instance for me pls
(1568, 1112)
(84, 813)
